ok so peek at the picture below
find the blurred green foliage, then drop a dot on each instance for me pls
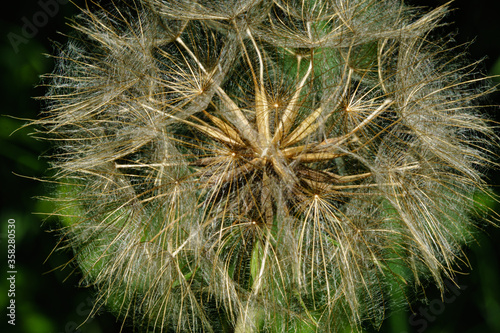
(47, 297)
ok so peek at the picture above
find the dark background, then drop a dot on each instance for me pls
(48, 299)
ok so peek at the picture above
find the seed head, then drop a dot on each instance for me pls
(271, 166)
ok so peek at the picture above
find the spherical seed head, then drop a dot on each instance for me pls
(285, 165)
